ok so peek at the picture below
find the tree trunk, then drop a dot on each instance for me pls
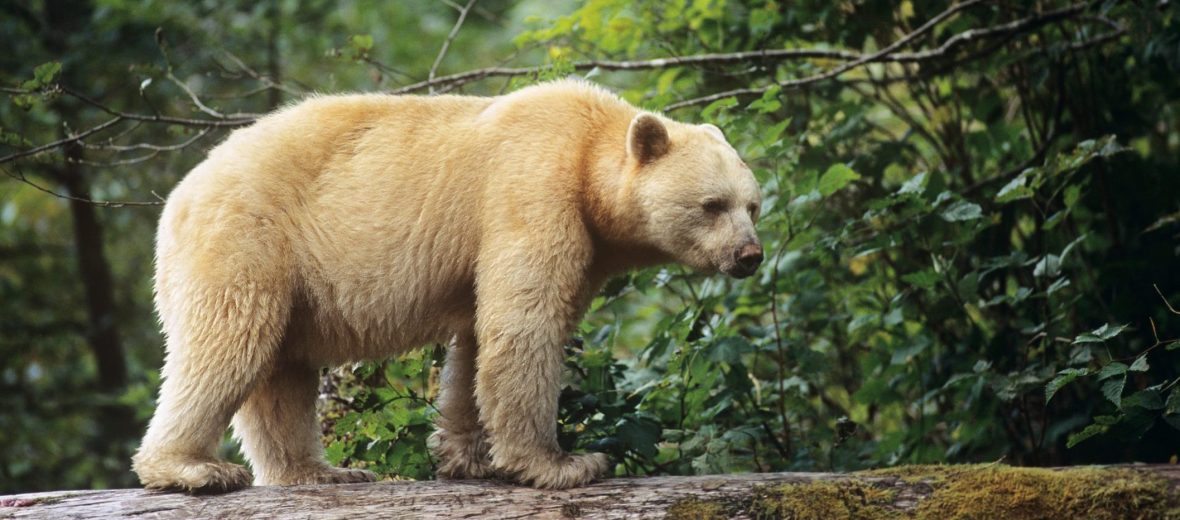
(103, 334)
(979, 491)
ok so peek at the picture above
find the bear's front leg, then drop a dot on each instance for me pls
(528, 301)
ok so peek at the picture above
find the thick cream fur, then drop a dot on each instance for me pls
(358, 227)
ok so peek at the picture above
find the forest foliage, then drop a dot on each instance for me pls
(971, 214)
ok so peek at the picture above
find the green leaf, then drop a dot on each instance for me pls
(961, 211)
(1049, 265)
(1015, 189)
(914, 185)
(362, 42)
(1173, 405)
(729, 350)
(714, 107)
(335, 453)
(1111, 370)
(24, 101)
(1146, 399)
(772, 133)
(1063, 378)
(1140, 364)
(45, 72)
(1100, 334)
(666, 79)
(640, 435)
(1057, 285)
(1173, 420)
(925, 278)
(1111, 147)
(1113, 390)
(769, 101)
(1096, 428)
(836, 178)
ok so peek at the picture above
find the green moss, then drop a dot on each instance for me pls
(922, 472)
(998, 491)
(694, 509)
(830, 499)
(956, 492)
(1001, 491)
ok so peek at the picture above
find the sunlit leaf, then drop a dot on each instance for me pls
(1100, 334)
(962, 211)
(836, 178)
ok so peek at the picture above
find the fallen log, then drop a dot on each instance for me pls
(973, 491)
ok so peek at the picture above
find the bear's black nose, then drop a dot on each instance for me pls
(748, 257)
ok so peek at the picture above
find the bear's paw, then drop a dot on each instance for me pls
(566, 472)
(191, 475)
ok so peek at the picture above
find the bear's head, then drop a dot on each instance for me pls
(697, 199)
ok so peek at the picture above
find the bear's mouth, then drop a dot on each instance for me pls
(739, 271)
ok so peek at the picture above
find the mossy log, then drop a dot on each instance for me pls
(976, 491)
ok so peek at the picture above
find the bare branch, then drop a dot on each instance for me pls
(833, 73)
(193, 96)
(387, 68)
(60, 142)
(20, 176)
(149, 146)
(1014, 27)
(886, 55)
(120, 116)
(442, 52)
(154, 150)
(267, 82)
(237, 120)
(1170, 308)
(852, 60)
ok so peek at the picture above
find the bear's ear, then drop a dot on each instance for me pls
(647, 139)
(715, 132)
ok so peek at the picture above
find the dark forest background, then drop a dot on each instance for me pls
(972, 215)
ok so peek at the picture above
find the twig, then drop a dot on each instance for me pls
(386, 68)
(149, 146)
(484, 13)
(1170, 308)
(20, 176)
(60, 142)
(267, 82)
(773, 55)
(442, 52)
(449, 82)
(1017, 26)
(243, 119)
(797, 83)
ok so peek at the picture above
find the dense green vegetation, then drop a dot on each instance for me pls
(971, 221)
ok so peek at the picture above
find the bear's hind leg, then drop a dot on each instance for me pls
(220, 339)
(280, 433)
(459, 441)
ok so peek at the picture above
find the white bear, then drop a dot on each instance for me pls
(357, 227)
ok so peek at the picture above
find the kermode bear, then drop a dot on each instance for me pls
(359, 227)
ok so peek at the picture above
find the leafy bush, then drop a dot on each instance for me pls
(960, 266)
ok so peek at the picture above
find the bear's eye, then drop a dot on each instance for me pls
(753, 209)
(715, 206)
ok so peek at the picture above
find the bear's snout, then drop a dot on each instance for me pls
(746, 260)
